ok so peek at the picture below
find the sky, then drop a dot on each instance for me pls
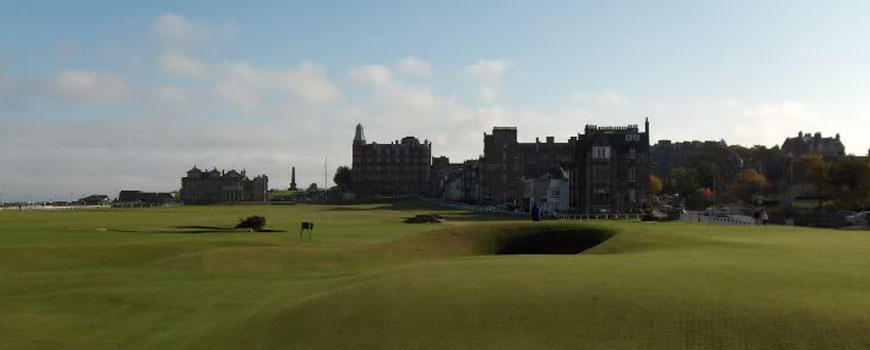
(102, 96)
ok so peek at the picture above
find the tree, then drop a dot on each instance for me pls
(848, 182)
(813, 169)
(655, 184)
(749, 183)
(312, 187)
(683, 181)
(342, 177)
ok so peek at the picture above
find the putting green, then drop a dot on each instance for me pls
(163, 278)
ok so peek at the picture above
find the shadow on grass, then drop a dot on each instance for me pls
(405, 205)
(479, 217)
(194, 229)
(412, 204)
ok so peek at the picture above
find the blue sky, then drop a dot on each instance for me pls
(97, 96)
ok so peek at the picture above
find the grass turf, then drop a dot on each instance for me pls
(143, 279)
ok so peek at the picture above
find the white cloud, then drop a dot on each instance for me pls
(487, 69)
(176, 63)
(769, 123)
(173, 28)
(249, 87)
(310, 82)
(375, 75)
(172, 94)
(242, 87)
(609, 98)
(488, 72)
(91, 86)
(176, 30)
(413, 66)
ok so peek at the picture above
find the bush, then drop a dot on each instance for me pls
(255, 223)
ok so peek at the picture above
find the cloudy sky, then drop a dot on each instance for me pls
(98, 96)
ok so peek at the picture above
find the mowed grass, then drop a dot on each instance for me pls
(144, 279)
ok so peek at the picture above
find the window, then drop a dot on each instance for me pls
(632, 195)
(632, 174)
(601, 175)
(632, 137)
(601, 152)
(602, 195)
(632, 153)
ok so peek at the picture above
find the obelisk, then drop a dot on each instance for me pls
(293, 179)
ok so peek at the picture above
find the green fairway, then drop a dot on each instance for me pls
(160, 278)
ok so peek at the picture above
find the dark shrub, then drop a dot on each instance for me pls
(255, 223)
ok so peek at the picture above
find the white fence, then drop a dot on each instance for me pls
(33, 207)
(519, 214)
(700, 217)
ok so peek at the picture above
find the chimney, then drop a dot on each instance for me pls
(550, 139)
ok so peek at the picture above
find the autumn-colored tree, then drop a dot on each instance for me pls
(812, 168)
(749, 182)
(655, 184)
(709, 194)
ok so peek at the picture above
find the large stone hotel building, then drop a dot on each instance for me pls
(399, 167)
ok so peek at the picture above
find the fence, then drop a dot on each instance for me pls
(518, 214)
(33, 207)
(699, 217)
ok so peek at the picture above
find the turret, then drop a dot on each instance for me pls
(359, 137)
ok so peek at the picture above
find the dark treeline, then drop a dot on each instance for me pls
(808, 172)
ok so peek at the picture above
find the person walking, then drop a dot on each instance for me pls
(764, 217)
(536, 212)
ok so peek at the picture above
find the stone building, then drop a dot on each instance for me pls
(612, 168)
(399, 167)
(805, 143)
(501, 167)
(462, 183)
(606, 168)
(507, 163)
(214, 186)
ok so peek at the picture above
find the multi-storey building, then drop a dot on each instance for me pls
(612, 169)
(806, 143)
(501, 167)
(400, 167)
(508, 164)
(205, 187)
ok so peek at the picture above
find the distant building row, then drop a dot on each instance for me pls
(604, 169)
(217, 186)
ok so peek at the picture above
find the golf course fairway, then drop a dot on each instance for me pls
(176, 278)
